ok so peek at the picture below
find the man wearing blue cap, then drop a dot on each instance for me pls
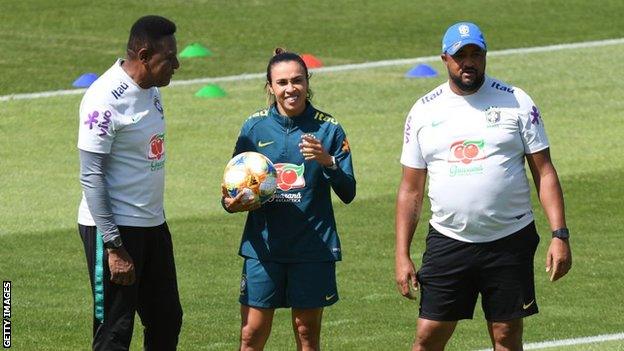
(471, 135)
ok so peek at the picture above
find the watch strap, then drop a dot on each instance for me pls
(333, 166)
(115, 243)
(561, 233)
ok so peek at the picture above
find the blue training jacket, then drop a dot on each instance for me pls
(298, 224)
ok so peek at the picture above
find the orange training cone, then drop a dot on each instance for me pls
(311, 61)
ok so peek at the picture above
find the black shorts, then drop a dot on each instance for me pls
(453, 273)
(154, 295)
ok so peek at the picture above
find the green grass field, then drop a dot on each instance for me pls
(47, 44)
(578, 91)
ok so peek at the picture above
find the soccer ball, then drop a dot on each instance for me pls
(253, 174)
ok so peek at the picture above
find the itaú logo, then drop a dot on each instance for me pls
(466, 151)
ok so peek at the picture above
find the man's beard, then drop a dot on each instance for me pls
(468, 88)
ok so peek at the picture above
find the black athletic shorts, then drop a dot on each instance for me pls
(154, 295)
(454, 273)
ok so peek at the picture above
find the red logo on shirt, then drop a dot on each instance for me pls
(156, 147)
(290, 176)
(466, 151)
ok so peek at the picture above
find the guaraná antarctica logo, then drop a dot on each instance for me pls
(156, 151)
(290, 176)
(465, 152)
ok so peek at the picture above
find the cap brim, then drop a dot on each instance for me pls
(453, 49)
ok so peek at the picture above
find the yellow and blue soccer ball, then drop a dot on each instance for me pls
(253, 174)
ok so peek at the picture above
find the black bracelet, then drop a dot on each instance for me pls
(561, 233)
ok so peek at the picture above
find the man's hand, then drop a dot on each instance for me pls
(406, 277)
(238, 203)
(558, 258)
(121, 266)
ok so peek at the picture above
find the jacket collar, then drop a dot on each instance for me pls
(286, 121)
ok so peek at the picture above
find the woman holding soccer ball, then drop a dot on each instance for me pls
(290, 243)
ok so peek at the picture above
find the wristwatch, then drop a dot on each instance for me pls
(561, 233)
(333, 166)
(114, 244)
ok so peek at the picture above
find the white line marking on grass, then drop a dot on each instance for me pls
(340, 68)
(337, 322)
(377, 296)
(570, 342)
(43, 94)
(219, 345)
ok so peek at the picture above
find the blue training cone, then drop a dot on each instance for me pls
(85, 80)
(421, 71)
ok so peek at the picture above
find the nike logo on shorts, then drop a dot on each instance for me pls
(527, 305)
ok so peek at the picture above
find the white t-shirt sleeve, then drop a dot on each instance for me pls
(531, 126)
(97, 129)
(411, 156)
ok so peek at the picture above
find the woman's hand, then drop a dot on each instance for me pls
(312, 149)
(237, 203)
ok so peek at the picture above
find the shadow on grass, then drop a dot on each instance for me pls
(52, 302)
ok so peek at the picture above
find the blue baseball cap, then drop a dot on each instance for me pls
(461, 34)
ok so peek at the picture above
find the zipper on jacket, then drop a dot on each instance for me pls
(288, 125)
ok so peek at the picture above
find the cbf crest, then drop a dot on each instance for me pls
(158, 105)
(464, 30)
(492, 116)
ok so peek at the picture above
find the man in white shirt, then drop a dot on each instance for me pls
(471, 135)
(121, 219)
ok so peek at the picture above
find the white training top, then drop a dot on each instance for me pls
(473, 148)
(119, 118)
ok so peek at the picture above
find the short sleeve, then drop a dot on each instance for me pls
(411, 155)
(96, 131)
(531, 126)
